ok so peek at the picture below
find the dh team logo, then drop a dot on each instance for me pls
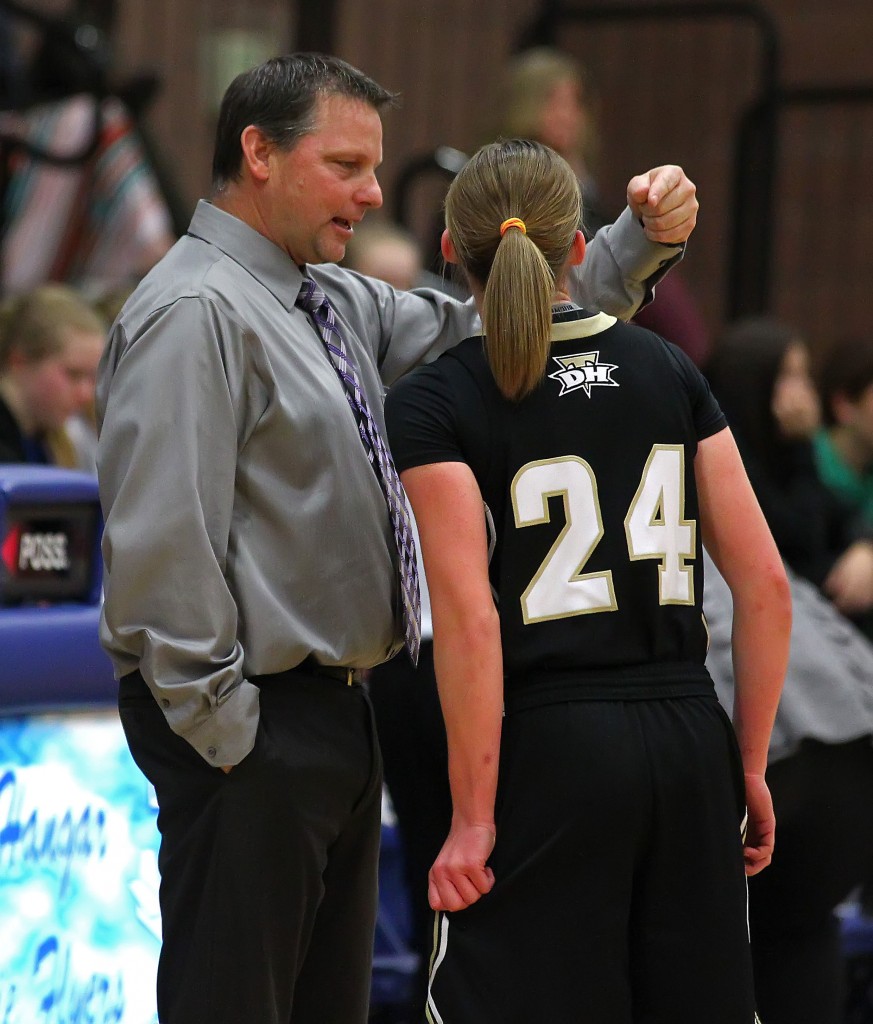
(583, 370)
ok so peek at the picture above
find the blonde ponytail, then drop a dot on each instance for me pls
(517, 315)
(512, 214)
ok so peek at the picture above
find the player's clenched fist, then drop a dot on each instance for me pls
(460, 874)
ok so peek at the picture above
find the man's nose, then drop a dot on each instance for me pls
(371, 193)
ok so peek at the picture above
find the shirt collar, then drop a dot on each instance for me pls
(255, 253)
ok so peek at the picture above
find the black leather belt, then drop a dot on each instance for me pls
(349, 676)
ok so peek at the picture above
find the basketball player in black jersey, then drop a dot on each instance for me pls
(595, 867)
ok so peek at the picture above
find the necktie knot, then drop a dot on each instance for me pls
(310, 298)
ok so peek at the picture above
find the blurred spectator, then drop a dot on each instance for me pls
(92, 224)
(82, 427)
(821, 759)
(760, 375)
(383, 249)
(109, 301)
(820, 774)
(549, 96)
(386, 251)
(51, 341)
(844, 459)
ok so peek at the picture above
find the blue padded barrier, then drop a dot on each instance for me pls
(856, 930)
(50, 587)
(50, 658)
(394, 964)
(50, 529)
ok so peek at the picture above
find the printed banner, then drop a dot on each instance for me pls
(80, 931)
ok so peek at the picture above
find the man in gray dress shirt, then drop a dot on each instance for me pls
(250, 563)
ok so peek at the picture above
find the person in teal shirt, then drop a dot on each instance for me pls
(843, 452)
(844, 445)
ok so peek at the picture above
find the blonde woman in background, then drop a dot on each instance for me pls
(550, 96)
(547, 95)
(51, 341)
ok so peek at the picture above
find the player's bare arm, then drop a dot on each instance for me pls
(469, 668)
(737, 536)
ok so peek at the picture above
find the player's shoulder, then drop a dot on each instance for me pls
(651, 350)
(443, 377)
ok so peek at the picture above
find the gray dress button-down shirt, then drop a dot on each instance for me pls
(245, 528)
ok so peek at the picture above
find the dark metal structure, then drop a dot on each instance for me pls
(755, 134)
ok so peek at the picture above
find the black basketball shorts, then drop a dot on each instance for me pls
(620, 893)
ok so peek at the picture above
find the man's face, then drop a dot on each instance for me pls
(322, 187)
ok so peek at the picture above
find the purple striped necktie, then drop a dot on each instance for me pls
(314, 302)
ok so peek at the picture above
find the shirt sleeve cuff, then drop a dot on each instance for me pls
(228, 735)
(621, 268)
(639, 258)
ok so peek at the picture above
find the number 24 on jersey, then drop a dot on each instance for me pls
(655, 528)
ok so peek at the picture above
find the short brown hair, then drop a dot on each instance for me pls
(846, 370)
(278, 97)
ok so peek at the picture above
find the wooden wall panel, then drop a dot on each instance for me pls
(823, 230)
(174, 39)
(668, 94)
(672, 92)
(441, 55)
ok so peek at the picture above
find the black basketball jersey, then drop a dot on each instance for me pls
(589, 481)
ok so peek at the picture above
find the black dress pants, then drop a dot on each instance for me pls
(268, 873)
(823, 798)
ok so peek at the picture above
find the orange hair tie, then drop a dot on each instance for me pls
(513, 222)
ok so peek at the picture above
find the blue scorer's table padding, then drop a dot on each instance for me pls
(50, 586)
(51, 658)
(23, 482)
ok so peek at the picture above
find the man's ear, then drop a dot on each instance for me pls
(447, 247)
(256, 149)
(577, 250)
